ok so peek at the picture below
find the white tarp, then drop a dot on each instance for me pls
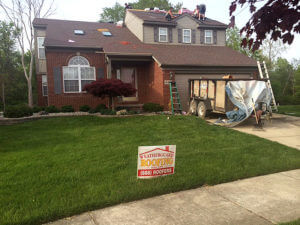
(241, 94)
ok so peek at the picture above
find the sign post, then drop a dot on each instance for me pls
(155, 161)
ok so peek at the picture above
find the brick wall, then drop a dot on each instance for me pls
(60, 59)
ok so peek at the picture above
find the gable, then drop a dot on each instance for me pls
(186, 22)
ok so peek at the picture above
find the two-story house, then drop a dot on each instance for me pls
(147, 52)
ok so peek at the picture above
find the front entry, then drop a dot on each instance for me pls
(129, 75)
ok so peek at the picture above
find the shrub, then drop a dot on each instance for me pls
(18, 111)
(37, 109)
(152, 107)
(51, 109)
(67, 108)
(108, 112)
(92, 111)
(100, 107)
(84, 108)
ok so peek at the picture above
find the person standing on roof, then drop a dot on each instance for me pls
(202, 10)
(169, 15)
(196, 13)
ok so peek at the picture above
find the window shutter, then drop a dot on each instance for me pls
(57, 80)
(179, 35)
(215, 36)
(155, 34)
(170, 34)
(202, 36)
(100, 73)
(193, 36)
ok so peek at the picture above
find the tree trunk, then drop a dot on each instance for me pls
(30, 100)
(3, 96)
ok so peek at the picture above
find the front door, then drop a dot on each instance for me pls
(129, 75)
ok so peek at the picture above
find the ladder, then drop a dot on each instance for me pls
(175, 100)
(263, 73)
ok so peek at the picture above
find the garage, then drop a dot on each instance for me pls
(182, 81)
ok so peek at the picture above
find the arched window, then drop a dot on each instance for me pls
(77, 74)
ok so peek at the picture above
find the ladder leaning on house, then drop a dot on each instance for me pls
(175, 100)
(263, 73)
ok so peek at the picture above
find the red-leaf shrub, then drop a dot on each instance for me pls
(109, 88)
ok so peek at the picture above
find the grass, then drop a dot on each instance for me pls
(292, 110)
(53, 168)
(296, 222)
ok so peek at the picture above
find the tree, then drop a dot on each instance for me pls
(234, 40)
(280, 19)
(109, 88)
(114, 14)
(117, 12)
(272, 49)
(21, 13)
(8, 53)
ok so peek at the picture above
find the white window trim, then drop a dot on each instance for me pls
(205, 36)
(162, 34)
(38, 48)
(79, 78)
(190, 36)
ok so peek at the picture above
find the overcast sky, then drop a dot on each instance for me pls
(89, 10)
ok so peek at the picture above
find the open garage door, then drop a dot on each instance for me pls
(182, 81)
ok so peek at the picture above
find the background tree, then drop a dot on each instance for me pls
(110, 88)
(8, 55)
(117, 12)
(234, 40)
(280, 19)
(21, 13)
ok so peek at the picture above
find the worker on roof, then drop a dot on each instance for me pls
(128, 6)
(169, 15)
(196, 13)
(199, 12)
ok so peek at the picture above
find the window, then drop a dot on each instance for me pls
(44, 85)
(163, 34)
(208, 37)
(186, 34)
(41, 48)
(77, 74)
(106, 33)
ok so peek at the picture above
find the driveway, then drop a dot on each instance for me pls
(282, 129)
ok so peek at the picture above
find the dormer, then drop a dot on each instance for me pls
(153, 28)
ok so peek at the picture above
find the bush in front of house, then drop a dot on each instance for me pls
(108, 112)
(51, 109)
(37, 109)
(92, 111)
(100, 107)
(152, 107)
(84, 108)
(17, 111)
(67, 108)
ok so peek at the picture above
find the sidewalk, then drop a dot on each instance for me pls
(269, 199)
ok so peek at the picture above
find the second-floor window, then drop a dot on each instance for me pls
(41, 48)
(77, 74)
(208, 37)
(163, 34)
(186, 34)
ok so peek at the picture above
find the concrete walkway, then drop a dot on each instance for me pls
(282, 128)
(269, 199)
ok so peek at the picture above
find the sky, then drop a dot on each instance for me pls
(89, 10)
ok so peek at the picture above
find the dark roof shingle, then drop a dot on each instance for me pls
(122, 41)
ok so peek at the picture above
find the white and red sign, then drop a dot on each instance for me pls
(155, 161)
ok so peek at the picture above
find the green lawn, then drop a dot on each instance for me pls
(296, 222)
(53, 168)
(292, 110)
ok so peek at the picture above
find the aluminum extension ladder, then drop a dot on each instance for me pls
(263, 73)
(175, 100)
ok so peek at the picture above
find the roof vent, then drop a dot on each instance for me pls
(79, 32)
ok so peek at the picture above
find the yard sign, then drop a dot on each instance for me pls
(155, 161)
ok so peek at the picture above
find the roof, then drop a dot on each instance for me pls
(123, 42)
(150, 17)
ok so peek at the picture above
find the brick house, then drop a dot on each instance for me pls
(147, 52)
